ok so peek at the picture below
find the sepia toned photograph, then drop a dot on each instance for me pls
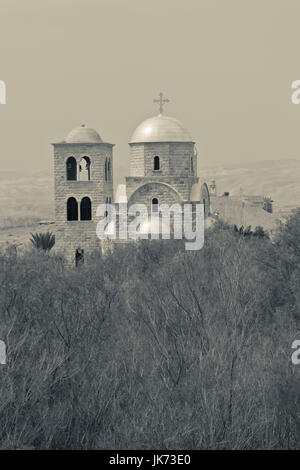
(149, 228)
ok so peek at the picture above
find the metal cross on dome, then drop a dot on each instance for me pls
(161, 102)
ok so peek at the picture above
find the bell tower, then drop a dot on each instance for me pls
(83, 174)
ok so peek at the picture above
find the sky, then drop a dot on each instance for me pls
(226, 65)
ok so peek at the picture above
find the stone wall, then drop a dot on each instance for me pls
(180, 156)
(162, 150)
(137, 162)
(175, 159)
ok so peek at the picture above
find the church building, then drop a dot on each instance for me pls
(163, 170)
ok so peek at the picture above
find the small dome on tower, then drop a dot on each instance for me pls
(161, 129)
(83, 135)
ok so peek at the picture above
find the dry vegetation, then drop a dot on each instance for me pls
(153, 346)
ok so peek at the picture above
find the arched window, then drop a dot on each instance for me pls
(109, 170)
(106, 170)
(204, 204)
(85, 209)
(156, 163)
(84, 169)
(154, 204)
(192, 165)
(71, 169)
(72, 209)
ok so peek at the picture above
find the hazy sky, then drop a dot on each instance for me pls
(226, 65)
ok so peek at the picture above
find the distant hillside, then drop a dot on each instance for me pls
(25, 198)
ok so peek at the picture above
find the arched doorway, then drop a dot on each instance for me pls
(79, 257)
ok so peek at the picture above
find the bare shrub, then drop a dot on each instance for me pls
(151, 347)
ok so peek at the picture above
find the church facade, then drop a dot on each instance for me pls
(163, 170)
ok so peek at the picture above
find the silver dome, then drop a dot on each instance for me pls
(83, 135)
(161, 129)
